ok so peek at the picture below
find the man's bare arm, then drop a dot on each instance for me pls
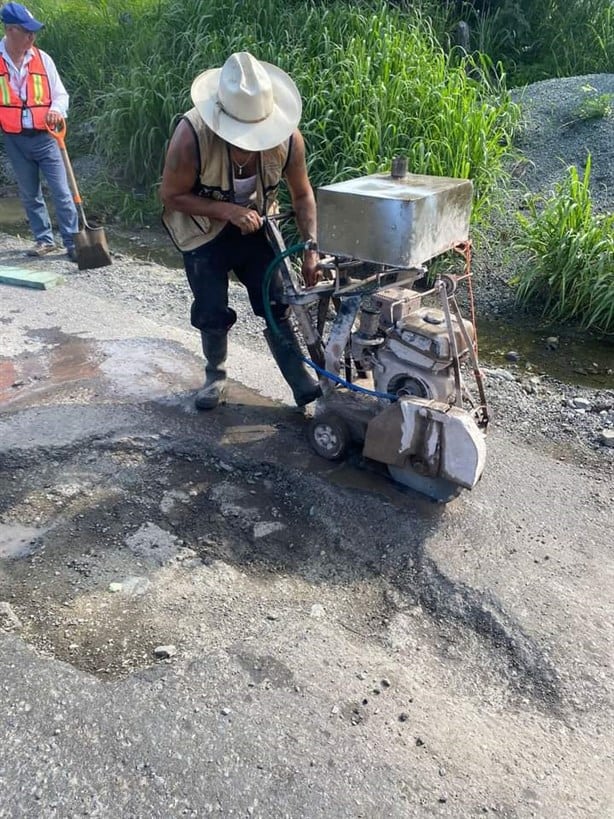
(303, 203)
(303, 200)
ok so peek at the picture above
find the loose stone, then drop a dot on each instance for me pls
(165, 652)
(8, 619)
(607, 437)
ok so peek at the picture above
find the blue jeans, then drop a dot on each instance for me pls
(29, 156)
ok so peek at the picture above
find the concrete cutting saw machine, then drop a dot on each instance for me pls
(397, 362)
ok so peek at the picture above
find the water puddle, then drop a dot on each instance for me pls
(145, 243)
(17, 540)
(246, 433)
(64, 359)
(581, 360)
(134, 368)
(12, 214)
(8, 378)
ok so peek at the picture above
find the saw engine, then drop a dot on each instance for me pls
(407, 346)
(393, 352)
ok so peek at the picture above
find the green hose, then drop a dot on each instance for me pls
(266, 283)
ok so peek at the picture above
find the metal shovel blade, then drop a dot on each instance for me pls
(90, 243)
(92, 248)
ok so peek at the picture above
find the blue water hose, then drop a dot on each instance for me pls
(270, 319)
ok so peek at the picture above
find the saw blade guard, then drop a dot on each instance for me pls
(429, 438)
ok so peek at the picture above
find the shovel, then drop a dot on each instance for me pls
(90, 243)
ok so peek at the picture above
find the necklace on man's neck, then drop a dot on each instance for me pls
(239, 166)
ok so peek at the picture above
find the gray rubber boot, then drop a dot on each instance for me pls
(215, 348)
(288, 357)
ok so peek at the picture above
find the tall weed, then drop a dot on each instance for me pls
(568, 254)
(539, 39)
(374, 79)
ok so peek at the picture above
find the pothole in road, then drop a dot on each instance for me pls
(124, 546)
(109, 553)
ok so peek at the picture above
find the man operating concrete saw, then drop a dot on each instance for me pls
(225, 162)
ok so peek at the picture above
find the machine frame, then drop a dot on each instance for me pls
(435, 447)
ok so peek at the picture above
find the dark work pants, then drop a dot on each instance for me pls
(207, 269)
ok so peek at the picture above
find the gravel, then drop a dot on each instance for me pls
(555, 137)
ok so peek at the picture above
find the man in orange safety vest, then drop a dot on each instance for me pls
(32, 97)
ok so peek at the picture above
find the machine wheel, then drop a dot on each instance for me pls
(329, 436)
(437, 489)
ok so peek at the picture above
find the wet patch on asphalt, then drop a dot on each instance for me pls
(103, 370)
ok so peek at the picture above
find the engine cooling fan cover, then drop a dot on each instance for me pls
(406, 384)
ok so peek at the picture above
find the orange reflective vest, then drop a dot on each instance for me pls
(37, 101)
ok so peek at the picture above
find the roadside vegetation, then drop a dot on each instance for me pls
(377, 78)
(569, 255)
(540, 39)
(375, 81)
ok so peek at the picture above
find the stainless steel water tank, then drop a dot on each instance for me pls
(402, 222)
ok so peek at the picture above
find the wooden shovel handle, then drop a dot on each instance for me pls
(58, 132)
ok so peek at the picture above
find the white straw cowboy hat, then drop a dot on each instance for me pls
(251, 104)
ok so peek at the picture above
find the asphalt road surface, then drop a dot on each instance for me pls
(199, 617)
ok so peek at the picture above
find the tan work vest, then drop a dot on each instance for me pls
(214, 181)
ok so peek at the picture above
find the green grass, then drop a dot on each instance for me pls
(594, 105)
(540, 39)
(568, 256)
(374, 79)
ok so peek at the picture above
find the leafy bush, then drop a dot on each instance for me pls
(569, 255)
